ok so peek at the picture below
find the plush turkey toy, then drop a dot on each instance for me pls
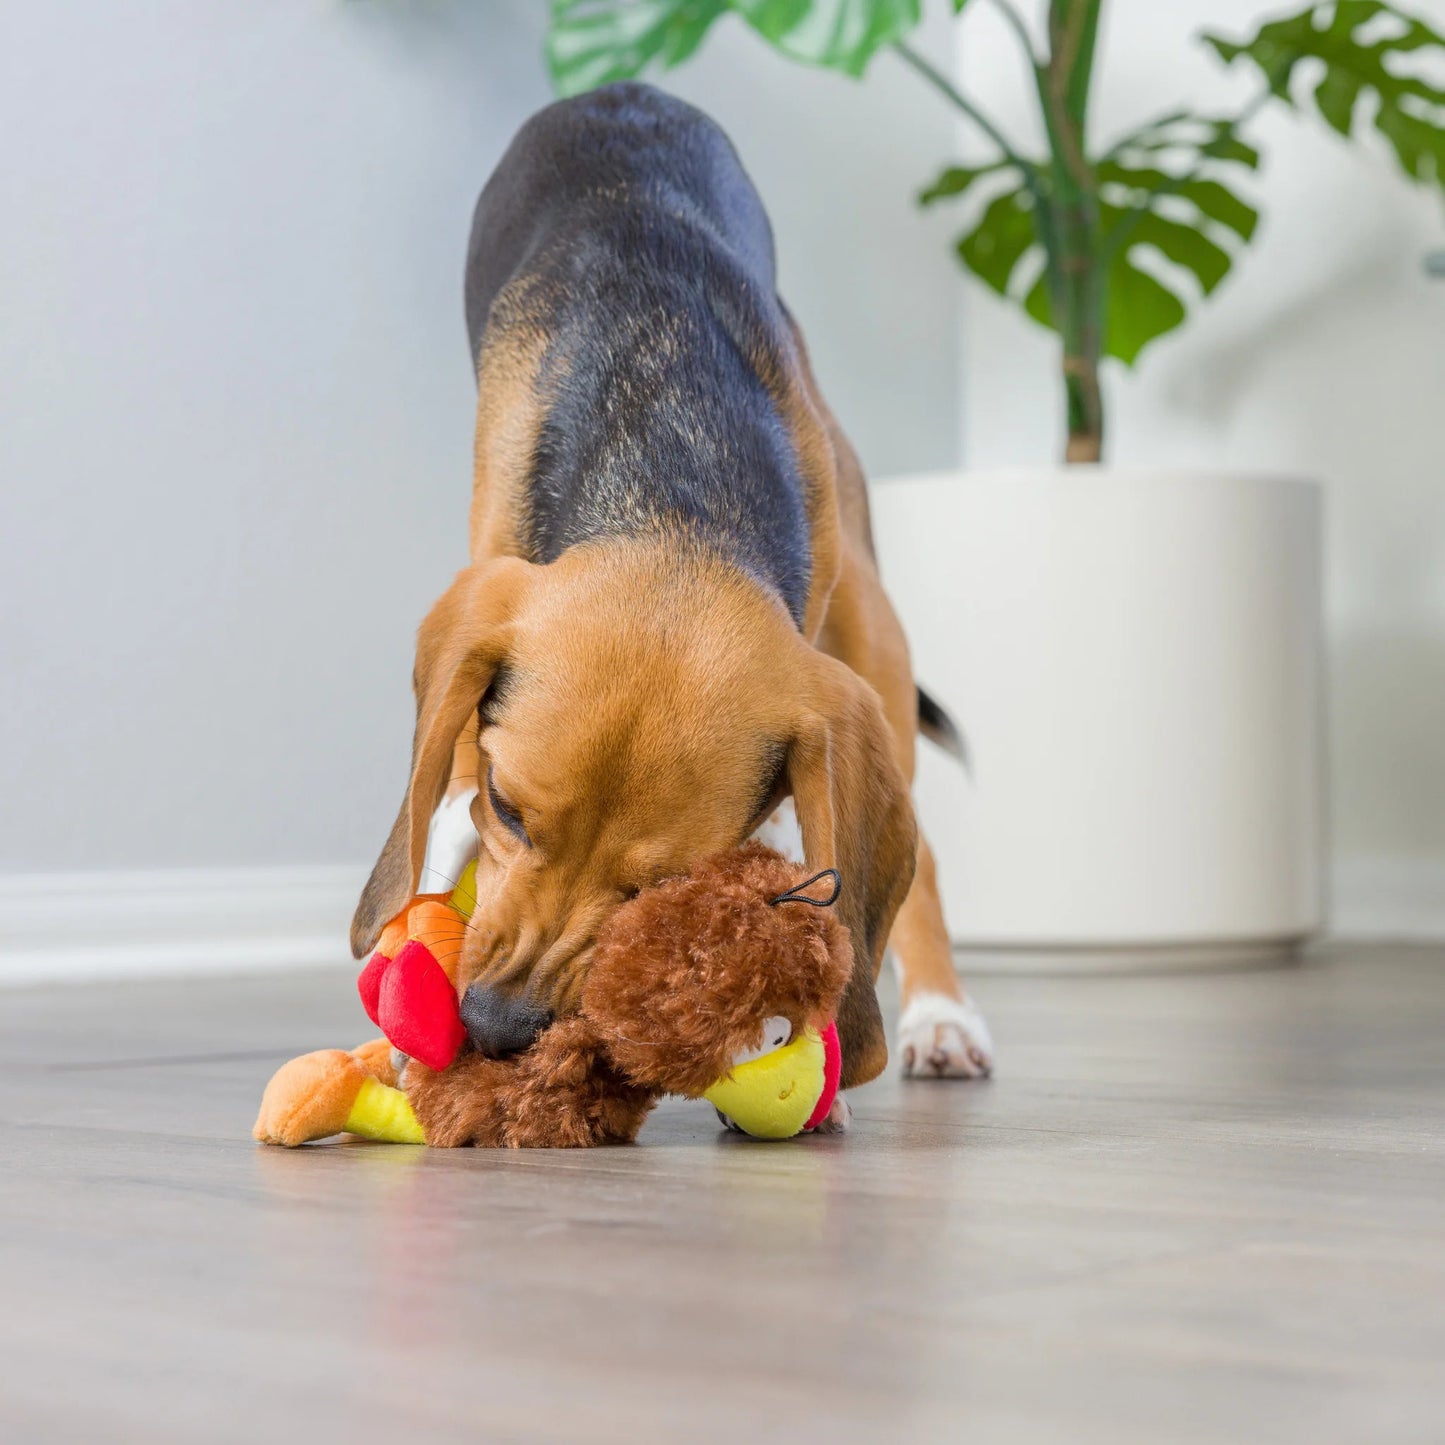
(720, 984)
(408, 987)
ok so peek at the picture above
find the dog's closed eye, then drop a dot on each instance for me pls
(507, 815)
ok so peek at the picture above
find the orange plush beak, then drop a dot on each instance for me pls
(408, 987)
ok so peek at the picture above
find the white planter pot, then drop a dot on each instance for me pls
(1135, 660)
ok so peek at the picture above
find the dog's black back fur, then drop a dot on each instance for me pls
(622, 227)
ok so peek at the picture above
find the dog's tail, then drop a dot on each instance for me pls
(940, 729)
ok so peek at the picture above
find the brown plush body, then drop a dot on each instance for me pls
(683, 978)
(561, 1094)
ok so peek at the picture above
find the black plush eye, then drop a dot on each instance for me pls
(510, 818)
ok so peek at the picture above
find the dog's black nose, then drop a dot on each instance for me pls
(499, 1023)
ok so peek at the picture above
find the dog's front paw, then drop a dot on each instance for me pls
(309, 1098)
(944, 1038)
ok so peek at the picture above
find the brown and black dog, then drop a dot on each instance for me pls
(672, 621)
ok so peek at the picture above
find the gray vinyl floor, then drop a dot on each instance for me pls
(1204, 1208)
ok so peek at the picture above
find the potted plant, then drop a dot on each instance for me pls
(1134, 656)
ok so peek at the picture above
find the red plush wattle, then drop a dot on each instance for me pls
(368, 985)
(832, 1072)
(417, 1007)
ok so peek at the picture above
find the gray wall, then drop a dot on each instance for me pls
(235, 437)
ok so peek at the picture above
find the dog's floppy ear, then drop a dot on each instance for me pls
(460, 646)
(856, 816)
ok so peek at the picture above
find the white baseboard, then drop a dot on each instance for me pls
(1384, 898)
(68, 926)
(65, 926)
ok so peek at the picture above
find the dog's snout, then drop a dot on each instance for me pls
(500, 1023)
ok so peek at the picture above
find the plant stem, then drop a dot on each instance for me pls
(955, 97)
(1046, 222)
(1015, 23)
(1066, 232)
(1033, 179)
(1085, 398)
(1079, 296)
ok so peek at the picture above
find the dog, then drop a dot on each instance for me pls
(672, 627)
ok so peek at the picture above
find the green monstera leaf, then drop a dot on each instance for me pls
(1184, 138)
(1138, 308)
(1160, 191)
(1006, 233)
(955, 180)
(1185, 215)
(1160, 210)
(592, 42)
(839, 34)
(1359, 51)
(1005, 252)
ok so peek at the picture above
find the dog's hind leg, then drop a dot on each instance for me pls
(941, 1033)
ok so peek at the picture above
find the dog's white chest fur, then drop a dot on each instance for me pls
(450, 845)
(780, 831)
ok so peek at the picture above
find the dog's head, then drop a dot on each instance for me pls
(635, 710)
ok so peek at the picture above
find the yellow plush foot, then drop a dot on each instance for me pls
(381, 1112)
(309, 1098)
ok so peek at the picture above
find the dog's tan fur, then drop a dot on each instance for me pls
(648, 680)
